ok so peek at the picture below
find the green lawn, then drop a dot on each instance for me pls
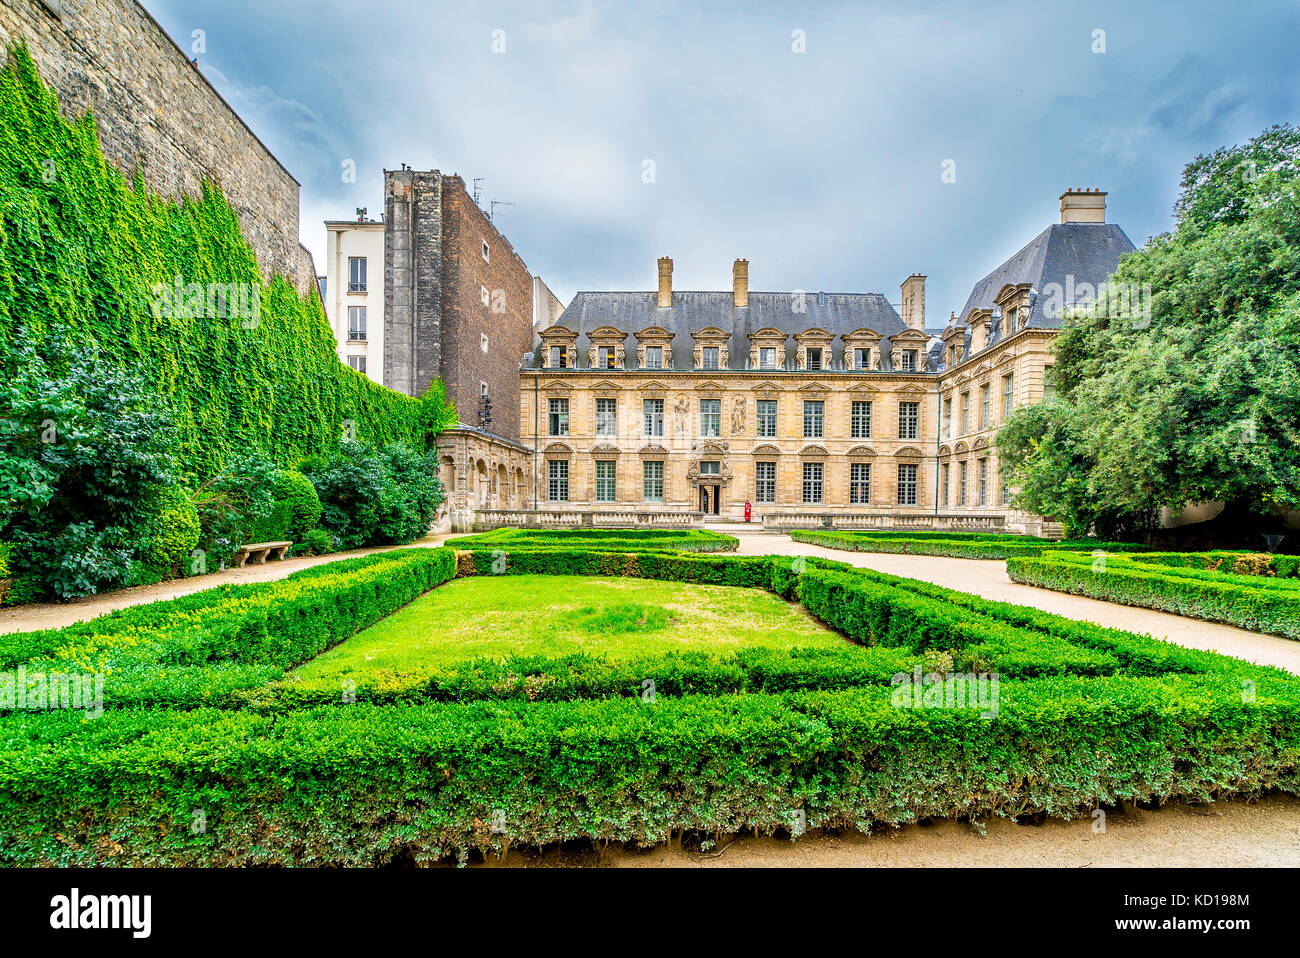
(556, 615)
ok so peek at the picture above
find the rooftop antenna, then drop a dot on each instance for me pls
(492, 215)
(477, 192)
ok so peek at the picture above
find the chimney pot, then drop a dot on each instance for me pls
(665, 282)
(740, 282)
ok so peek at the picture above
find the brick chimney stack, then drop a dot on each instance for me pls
(914, 302)
(1083, 206)
(665, 282)
(740, 282)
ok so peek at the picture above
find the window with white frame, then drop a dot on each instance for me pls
(606, 417)
(859, 483)
(357, 323)
(710, 467)
(487, 257)
(907, 484)
(559, 357)
(909, 360)
(485, 296)
(1008, 394)
(765, 416)
(814, 357)
(767, 357)
(862, 359)
(947, 417)
(965, 413)
(605, 356)
(653, 410)
(358, 363)
(943, 486)
(812, 481)
(557, 480)
(984, 482)
(909, 420)
(709, 357)
(652, 480)
(654, 357)
(860, 420)
(710, 417)
(559, 417)
(356, 274)
(605, 485)
(814, 418)
(984, 407)
(765, 482)
(962, 475)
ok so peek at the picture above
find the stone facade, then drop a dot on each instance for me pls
(156, 112)
(458, 299)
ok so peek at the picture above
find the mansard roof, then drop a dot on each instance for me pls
(691, 312)
(1067, 254)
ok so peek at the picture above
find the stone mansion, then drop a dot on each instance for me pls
(809, 408)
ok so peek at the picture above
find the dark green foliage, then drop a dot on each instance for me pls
(601, 540)
(963, 545)
(373, 496)
(173, 531)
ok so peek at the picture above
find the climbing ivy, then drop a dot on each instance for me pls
(88, 258)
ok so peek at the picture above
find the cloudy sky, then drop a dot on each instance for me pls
(825, 168)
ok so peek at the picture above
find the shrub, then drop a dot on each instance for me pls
(376, 496)
(318, 542)
(963, 545)
(173, 531)
(601, 540)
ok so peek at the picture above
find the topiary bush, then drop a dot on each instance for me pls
(173, 531)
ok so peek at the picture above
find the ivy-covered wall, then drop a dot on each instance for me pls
(171, 289)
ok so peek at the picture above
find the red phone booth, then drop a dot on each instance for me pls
(747, 512)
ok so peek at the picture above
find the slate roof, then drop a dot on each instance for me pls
(1088, 252)
(630, 312)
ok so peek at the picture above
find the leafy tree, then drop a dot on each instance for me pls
(376, 496)
(1202, 400)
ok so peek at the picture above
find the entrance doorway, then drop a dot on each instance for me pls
(709, 499)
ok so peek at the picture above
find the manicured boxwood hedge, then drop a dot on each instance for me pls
(1250, 602)
(962, 545)
(532, 750)
(603, 540)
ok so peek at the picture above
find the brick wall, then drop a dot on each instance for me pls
(506, 321)
(156, 111)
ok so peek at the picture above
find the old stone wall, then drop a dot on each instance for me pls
(156, 112)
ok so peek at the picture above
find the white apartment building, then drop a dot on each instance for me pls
(354, 292)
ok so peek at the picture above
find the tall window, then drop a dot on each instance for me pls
(1008, 394)
(984, 482)
(907, 484)
(814, 416)
(1049, 383)
(606, 417)
(605, 480)
(1006, 493)
(814, 358)
(860, 421)
(984, 407)
(357, 323)
(947, 417)
(558, 357)
(812, 482)
(766, 416)
(765, 482)
(909, 420)
(947, 477)
(965, 414)
(862, 359)
(559, 418)
(654, 416)
(859, 482)
(767, 358)
(961, 482)
(356, 274)
(654, 357)
(710, 417)
(557, 480)
(652, 481)
(709, 357)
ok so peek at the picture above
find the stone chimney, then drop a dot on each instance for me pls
(665, 282)
(740, 282)
(914, 302)
(1083, 206)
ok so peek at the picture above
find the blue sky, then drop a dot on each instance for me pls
(823, 167)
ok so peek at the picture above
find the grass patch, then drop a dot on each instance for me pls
(497, 616)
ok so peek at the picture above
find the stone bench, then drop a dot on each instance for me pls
(259, 552)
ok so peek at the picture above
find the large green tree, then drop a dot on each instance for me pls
(1196, 397)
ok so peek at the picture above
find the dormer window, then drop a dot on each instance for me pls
(709, 357)
(654, 357)
(862, 359)
(605, 356)
(814, 358)
(767, 358)
(558, 358)
(909, 360)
